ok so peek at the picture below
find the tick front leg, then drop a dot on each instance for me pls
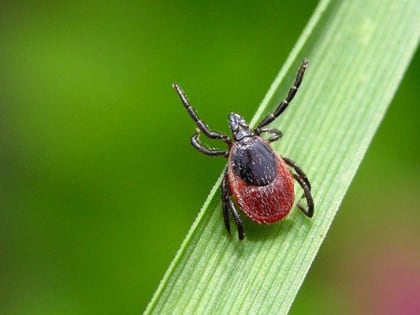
(195, 141)
(275, 133)
(283, 104)
(303, 181)
(229, 206)
(200, 124)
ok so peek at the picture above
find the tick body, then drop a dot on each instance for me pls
(257, 179)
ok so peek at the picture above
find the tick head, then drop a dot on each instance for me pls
(239, 127)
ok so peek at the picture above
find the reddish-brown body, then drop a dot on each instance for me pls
(263, 204)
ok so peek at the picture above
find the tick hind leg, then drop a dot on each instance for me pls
(229, 207)
(303, 181)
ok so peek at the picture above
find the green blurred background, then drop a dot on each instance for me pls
(98, 182)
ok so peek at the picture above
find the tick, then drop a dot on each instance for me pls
(257, 179)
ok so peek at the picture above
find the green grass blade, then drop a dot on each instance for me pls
(358, 52)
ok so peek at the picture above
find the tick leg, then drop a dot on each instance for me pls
(237, 219)
(298, 170)
(200, 124)
(229, 206)
(225, 203)
(303, 181)
(195, 141)
(307, 193)
(275, 133)
(283, 104)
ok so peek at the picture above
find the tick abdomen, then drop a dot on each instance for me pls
(259, 181)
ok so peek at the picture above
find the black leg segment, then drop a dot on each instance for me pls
(275, 133)
(283, 104)
(303, 181)
(225, 202)
(229, 206)
(298, 170)
(309, 212)
(195, 141)
(200, 124)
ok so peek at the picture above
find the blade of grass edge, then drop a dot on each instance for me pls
(352, 78)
